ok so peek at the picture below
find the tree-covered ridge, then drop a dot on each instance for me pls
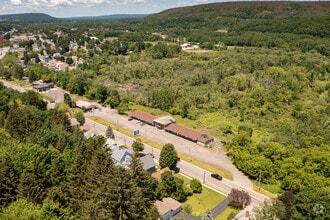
(28, 17)
(274, 16)
(249, 10)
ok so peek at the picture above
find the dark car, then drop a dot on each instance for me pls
(216, 176)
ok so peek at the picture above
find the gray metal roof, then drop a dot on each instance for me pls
(148, 162)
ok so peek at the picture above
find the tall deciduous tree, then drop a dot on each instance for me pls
(168, 156)
(312, 203)
(239, 198)
(138, 145)
(269, 210)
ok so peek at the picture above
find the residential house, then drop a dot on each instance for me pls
(121, 156)
(168, 207)
(148, 163)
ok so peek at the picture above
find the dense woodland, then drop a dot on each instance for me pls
(263, 86)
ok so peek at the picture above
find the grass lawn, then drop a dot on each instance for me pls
(207, 167)
(199, 203)
(229, 213)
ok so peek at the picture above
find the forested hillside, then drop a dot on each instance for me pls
(260, 80)
(49, 170)
(28, 17)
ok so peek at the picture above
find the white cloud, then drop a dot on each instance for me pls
(16, 2)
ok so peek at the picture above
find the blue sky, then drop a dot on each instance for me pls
(72, 8)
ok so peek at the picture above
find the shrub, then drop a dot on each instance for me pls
(196, 186)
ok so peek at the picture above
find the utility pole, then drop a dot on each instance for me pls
(204, 177)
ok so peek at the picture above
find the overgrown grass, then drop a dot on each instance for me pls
(194, 161)
(270, 190)
(21, 83)
(200, 202)
(228, 214)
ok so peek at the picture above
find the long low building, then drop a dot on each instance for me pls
(43, 86)
(169, 124)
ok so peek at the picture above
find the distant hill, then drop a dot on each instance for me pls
(43, 18)
(29, 17)
(311, 18)
(110, 17)
(250, 10)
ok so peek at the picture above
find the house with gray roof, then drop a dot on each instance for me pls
(121, 156)
(148, 163)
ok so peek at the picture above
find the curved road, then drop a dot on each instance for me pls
(216, 158)
(185, 167)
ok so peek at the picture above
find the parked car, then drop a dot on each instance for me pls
(216, 176)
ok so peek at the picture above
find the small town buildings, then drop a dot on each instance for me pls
(163, 122)
(168, 207)
(144, 117)
(43, 86)
(169, 124)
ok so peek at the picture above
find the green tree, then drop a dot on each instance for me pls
(168, 184)
(32, 98)
(180, 193)
(184, 107)
(18, 72)
(80, 117)
(196, 185)
(21, 121)
(109, 132)
(8, 180)
(270, 209)
(312, 203)
(168, 156)
(239, 198)
(287, 199)
(52, 211)
(138, 145)
(68, 100)
(21, 210)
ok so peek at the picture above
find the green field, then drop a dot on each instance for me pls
(206, 200)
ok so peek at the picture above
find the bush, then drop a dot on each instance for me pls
(227, 130)
(196, 186)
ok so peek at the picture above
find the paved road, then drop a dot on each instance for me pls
(185, 167)
(9, 85)
(216, 157)
(3, 51)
